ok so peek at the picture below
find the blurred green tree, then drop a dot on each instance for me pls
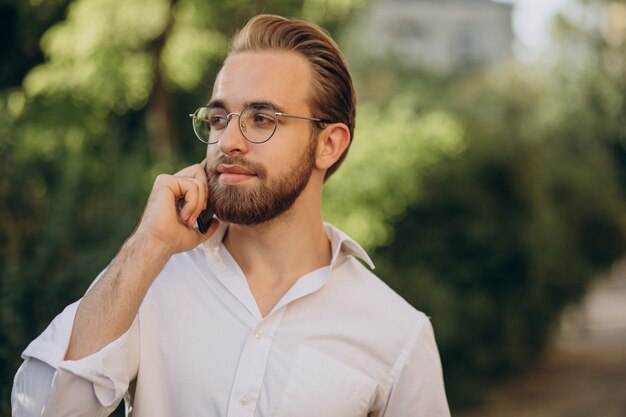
(506, 233)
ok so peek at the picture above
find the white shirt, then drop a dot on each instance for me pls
(339, 343)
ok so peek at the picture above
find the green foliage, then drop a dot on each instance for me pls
(501, 241)
(501, 237)
(21, 26)
(64, 213)
(381, 176)
(515, 228)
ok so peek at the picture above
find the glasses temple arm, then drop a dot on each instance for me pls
(315, 119)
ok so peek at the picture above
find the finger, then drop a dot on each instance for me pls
(201, 237)
(202, 176)
(192, 237)
(205, 176)
(189, 194)
(202, 197)
(188, 190)
(194, 171)
(197, 171)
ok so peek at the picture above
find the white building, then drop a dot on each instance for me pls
(442, 35)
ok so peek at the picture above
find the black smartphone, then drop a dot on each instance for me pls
(204, 219)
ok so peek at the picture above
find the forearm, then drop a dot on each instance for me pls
(108, 309)
(110, 306)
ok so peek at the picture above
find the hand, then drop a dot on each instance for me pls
(173, 206)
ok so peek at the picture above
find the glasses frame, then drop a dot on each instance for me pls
(229, 116)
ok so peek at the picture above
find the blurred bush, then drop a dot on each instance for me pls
(508, 232)
(502, 239)
(381, 177)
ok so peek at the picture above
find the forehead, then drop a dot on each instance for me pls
(281, 77)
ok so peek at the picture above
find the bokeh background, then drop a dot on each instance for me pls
(487, 175)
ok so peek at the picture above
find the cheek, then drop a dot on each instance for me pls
(211, 152)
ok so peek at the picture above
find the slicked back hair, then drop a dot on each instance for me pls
(332, 95)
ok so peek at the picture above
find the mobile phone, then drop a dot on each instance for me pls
(204, 219)
(206, 216)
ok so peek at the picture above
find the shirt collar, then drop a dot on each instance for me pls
(234, 281)
(341, 243)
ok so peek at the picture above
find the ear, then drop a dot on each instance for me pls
(331, 144)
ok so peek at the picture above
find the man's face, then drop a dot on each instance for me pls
(252, 183)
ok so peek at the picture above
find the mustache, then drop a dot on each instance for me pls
(256, 168)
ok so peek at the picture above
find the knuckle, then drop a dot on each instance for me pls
(191, 182)
(161, 178)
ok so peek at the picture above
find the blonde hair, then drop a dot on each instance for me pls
(333, 95)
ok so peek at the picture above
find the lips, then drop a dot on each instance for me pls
(232, 174)
(233, 169)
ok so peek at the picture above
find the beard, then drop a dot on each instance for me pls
(267, 200)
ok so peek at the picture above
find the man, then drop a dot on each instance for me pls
(268, 313)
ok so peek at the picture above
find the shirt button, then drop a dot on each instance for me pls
(245, 400)
(258, 334)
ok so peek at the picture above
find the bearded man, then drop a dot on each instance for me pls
(267, 313)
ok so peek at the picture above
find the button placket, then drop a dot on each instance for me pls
(250, 373)
(245, 400)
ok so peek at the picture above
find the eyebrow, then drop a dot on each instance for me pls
(220, 104)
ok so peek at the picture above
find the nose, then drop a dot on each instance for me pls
(232, 140)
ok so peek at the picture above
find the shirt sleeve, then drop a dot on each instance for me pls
(418, 389)
(48, 385)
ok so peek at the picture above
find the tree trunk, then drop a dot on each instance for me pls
(159, 118)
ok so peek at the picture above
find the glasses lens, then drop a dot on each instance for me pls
(258, 123)
(209, 122)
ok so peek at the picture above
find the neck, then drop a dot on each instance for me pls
(280, 251)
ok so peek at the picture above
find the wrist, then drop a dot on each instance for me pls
(149, 247)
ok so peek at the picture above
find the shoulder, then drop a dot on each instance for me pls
(371, 298)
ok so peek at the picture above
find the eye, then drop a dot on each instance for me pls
(263, 120)
(259, 116)
(218, 121)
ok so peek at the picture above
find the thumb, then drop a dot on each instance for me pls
(197, 237)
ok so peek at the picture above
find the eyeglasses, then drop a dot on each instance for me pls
(257, 122)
